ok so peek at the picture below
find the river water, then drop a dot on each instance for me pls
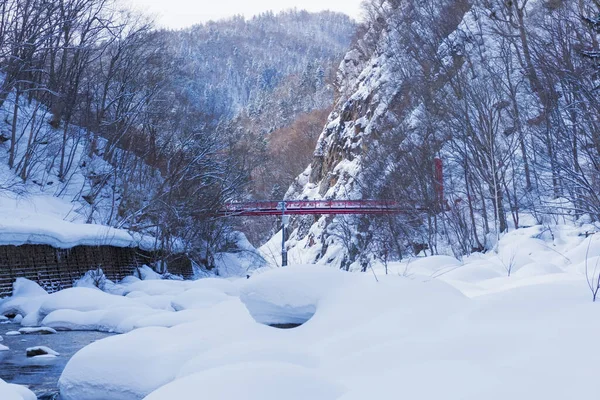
(40, 374)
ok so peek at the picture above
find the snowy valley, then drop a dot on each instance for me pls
(476, 119)
(465, 325)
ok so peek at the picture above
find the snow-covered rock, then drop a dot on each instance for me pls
(43, 330)
(38, 351)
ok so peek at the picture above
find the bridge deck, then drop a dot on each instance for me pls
(314, 207)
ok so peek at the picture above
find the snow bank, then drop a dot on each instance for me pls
(133, 365)
(41, 220)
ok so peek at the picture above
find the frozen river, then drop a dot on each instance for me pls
(40, 374)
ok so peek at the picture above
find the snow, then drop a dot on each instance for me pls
(15, 392)
(51, 211)
(281, 297)
(464, 324)
(240, 263)
(25, 288)
(257, 380)
(43, 330)
(47, 350)
(32, 228)
(40, 220)
(3, 347)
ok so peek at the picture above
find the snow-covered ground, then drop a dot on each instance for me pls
(433, 328)
(44, 219)
(44, 209)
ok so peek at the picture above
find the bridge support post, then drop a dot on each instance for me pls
(284, 259)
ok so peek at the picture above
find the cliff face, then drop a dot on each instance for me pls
(501, 91)
(375, 93)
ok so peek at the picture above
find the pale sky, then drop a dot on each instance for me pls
(183, 13)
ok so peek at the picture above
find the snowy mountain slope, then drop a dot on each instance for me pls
(149, 130)
(370, 90)
(459, 81)
(43, 209)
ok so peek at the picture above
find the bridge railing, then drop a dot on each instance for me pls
(314, 207)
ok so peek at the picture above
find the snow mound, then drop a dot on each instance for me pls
(15, 392)
(132, 365)
(246, 352)
(537, 269)
(198, 298)
(265, 381)
(23, 287)
(289, 295)
(110, 320)
(80, 299)
(27, 298)
(432, 266)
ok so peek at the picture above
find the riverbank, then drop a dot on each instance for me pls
(40, 374)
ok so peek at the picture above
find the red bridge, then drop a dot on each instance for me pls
(320, 207)
(314, 207)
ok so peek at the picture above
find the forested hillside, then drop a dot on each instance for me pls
(152, 130)
(505, 93)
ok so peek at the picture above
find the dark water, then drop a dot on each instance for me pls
(40, 374)
(285, 326)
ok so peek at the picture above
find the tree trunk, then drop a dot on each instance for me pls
(13, 132)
